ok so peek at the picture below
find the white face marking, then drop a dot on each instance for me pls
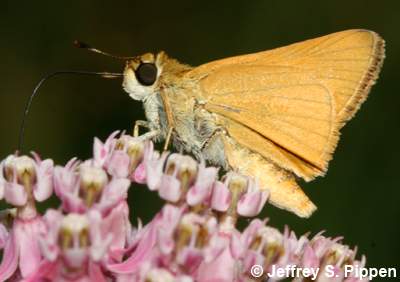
(136, 90)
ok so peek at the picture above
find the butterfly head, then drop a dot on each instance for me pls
(141, 75)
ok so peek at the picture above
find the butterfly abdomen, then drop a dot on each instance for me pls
(285, 193)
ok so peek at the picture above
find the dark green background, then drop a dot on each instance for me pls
(359, 197)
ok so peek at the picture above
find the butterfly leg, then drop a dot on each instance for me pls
(168, 138)
(148, 135)
(138, 124)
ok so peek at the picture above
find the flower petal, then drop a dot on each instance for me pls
(170, 217)
(221, 197)
(48, 241)
(115, 192)
(310, 259)
(15, 194)
(117, 224)
(251, 230)
(4, 235)
(221, 269)
(170, 189)
(101, 151)
(201, 189)
(9, 263)
(154, 169)
(44, 186)
(118, 164)
(95, 273)
(66, 187)
(251, 203)
(139, 175)
(141, 253)
(100, 242)
(27, 237)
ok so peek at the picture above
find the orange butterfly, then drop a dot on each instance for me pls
(273, 115)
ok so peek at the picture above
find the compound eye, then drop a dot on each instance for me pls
(146, 73)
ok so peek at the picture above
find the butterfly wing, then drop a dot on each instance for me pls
(293, 100)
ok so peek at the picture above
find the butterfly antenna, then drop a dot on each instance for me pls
(83, 45)
(40, 83)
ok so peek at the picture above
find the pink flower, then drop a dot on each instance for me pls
(268, 247)
(193, 234)
(194, 237)
(21, 251)
(119, 157)
(316, 249)
(102, 152)
(66, 186)
(336, 256)
(154, 239)
(221, 256)
(180, 173)
(74, 248)
(86, 186)
(23, 181)
(134, 147)
(238, 195)
(181, 179)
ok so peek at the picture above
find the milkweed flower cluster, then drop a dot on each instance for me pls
(194, 237)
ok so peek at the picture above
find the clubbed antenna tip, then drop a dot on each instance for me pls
(81, 45)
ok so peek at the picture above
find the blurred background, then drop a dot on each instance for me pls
(358, 198)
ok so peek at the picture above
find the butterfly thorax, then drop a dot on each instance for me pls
(177, 106)
(171, 102)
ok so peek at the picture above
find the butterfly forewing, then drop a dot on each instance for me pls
(294, 98)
